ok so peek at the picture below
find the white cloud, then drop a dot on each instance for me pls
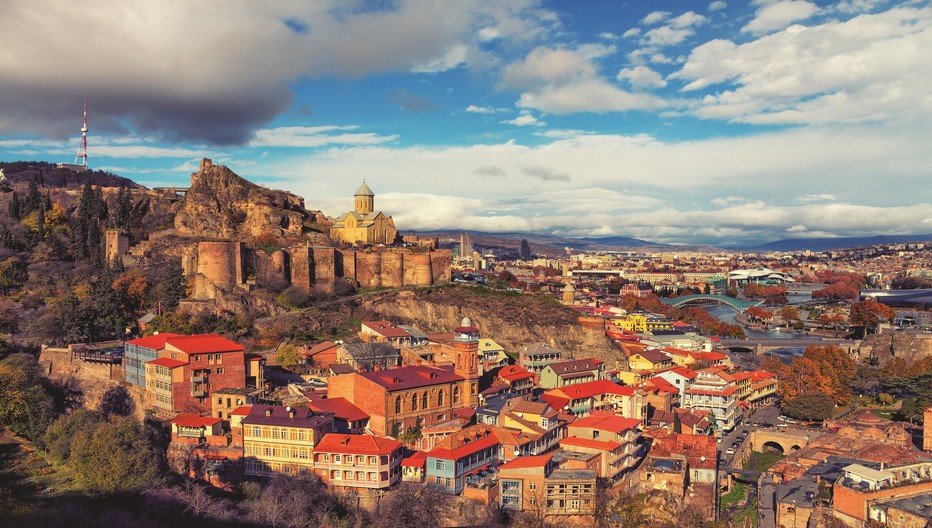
(608, 35)
(595, 51)
(473, 109)
(633, 32)
(675, 187)
(655, 17)
(872, 67)
(525, 119)
(315, 137)
(641, 77)
(666, 36)
(824, 197)
(453, 58)
(717, 5)
(778, 15)
(688, 19)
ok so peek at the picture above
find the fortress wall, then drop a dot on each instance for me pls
(348, 260)
(324, 265)
(369, 269)
(393, 265)
(220, 263)
(440, 262)
(417, 270)
(271, 271)
(117, 244)
(301, 268)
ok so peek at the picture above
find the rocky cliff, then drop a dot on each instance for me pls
(889, 345)
(222, 205)
(512, 320)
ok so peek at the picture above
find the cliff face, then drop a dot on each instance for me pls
(222, 205)
(889, 345)
(513, 321)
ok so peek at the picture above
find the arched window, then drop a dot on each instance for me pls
(414, 402)
(440, 398)
(424, 400)
(398, 405)
(456, 394)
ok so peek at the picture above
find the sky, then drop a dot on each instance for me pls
(719, 122)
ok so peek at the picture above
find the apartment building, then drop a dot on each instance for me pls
(711, 392)
(348, 461)
(278, 439)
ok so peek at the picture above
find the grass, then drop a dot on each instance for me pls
(744, 515)
(737, 495)
(25, 476)
(759, 461)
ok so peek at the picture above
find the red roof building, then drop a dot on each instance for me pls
(347, 418)
(358, 461)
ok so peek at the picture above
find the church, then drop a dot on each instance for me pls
(363, 225)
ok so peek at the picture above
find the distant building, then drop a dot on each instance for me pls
(137, 352)
(278, 439)
(572, 372)
(364, 225)
(346, 461)
(537, 356)
(459, 454)
(535, 484)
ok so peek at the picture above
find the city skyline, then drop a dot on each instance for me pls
(680, 122)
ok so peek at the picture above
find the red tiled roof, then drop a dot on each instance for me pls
(242, 410)
(464, 450)
(663, 385)
(613, 423)
(320, 347)
(193, 420)
(386, 329)
(604, 445)
(194, 344)
(340, 407)
(682, 371)
(167, 362)
(527, 462)
(418, 459)
(155, 342)
(512, 373)
(357, 444)
(590, 389)
(411, 377)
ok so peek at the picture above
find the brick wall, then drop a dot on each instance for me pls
(854, 504)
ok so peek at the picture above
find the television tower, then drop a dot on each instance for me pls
(82, 152)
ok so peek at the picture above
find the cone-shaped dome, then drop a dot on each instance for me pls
(364, 190)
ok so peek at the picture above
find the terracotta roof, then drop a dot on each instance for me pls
(614, 423)
(604, 445)
(527, 462)
(466, 449)
(357, 444)
(320, 347)
(663, 385)
(418, 459)
(411, 377)
(682, 371)
(278, 416)
(242, 410)
(590, 389)
(514, 373)
(340, 407)
(193, 420)
(569, 367)
(155, 342)
(167, 362)
(386, 328)
(194, 344)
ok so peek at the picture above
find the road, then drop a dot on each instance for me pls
(765, 415)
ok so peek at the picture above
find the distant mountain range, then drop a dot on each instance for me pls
(824, 244)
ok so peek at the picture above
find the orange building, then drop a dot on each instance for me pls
(358, 461)
(535, 484)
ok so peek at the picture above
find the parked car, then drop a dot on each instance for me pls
(730, 451)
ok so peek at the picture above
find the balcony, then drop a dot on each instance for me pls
(197, 393)
(197, 379)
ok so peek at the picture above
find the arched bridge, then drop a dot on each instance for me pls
(785, 442)
(735, 304)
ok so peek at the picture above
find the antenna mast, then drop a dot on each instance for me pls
(82, 152)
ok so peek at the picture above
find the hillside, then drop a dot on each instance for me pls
(824, 244)
(20, 173)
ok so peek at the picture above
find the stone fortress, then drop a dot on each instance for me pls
(234, 236)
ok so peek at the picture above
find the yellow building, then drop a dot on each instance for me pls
(642, 323)
(364, 225)
(651, 360)
(280, 439)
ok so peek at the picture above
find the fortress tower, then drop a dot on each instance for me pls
(466, 361)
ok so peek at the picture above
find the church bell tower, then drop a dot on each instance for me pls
(466, 364)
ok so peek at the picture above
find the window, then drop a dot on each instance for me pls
(373, 460)
(456, 394)
(220, 370)
(256, 431)
(532, 485)
(438, 465)
(336, 458)
(398, 405)
(424, 400)
(326, 457)
(440, 398)
(414, 402)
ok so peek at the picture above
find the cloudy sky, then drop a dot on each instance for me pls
(722, 122)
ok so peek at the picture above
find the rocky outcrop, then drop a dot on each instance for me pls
(222, 205)
(889, 345)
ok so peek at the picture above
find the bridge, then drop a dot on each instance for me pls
(760, 346)
(785, 442)
(735, 304)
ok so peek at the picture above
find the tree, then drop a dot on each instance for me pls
(802, 377)
(788, 313)
(415, 506)
(116, 456)
(811, 406)
(117, 402)
(26, 407)
(288, 356)
(174, 287)
(836, 366)
(64, 430)
(14, 209)
(868, 314)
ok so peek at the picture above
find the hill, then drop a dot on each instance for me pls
(48, 175)
(824, 244)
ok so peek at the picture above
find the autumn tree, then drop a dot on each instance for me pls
(788, 314)
(26, 405)
(413, 505)
(803, 376)
(288, 356)
(869, 314)
(837, 367)
(812, 407)
(116, 456)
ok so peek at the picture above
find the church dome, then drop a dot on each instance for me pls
(569, 287)
(466, 322)
(364, 190)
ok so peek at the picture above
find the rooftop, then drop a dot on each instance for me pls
(411, 377)
(357, 444)
(281, 416)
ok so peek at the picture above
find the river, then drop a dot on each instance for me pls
(726, 314)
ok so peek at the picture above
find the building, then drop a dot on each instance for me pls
(927, 429)
(347, 461)
(402, 399)
(537, 356)
(860, 487)
(537, 425)
(466, 360)
(347, 418)
(138, 352)
(200, 449)
(679, 377)
(582, 399)
(535, 484)
(224, 401)
(491, 355)
(279, 439)
(710, 392)
(649, 360)
(614, 438)
(369, 356)
(572, 372)
(189, 368)
(363, 225)
(459, 454)
(385, 332)
(518, 379)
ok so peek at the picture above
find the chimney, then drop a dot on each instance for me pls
(268, 411)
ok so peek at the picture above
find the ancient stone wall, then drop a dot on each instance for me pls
(440, 262)
(219, 264)
(348, 261)
(271, 271)
(324, 265)
(301, 270)
(117, 244)
(417, 269)
(92, 378)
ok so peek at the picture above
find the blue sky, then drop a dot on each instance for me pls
(718, 122)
